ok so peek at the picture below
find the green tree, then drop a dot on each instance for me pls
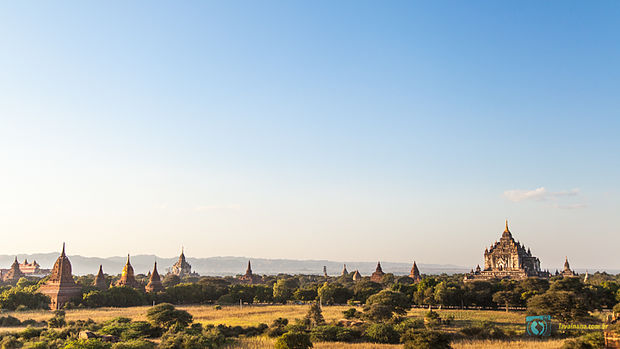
(383, 305)
(314, 317)
(507, 298)
(364, 289)
(564, 305)
(283, 289)
(334, 293)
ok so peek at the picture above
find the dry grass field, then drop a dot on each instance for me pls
(264, 343)
(253, 315)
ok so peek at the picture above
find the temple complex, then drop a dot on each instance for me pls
(507, 259)
(154, 284)
(13, 274)
(61, 287)
(249, 277)
(127, 277)
(567, 272)
(377, 276)
(415, 273)
(100, 282)
(181, 267)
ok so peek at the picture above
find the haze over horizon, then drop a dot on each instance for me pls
(398, 132)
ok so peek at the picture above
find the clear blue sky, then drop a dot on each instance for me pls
(351, 130)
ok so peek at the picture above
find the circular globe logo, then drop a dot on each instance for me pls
(538, 325)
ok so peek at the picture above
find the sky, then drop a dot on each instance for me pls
(349, 130)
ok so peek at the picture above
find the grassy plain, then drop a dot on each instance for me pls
(256, 314)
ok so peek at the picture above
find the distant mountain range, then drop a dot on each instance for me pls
(222, 266)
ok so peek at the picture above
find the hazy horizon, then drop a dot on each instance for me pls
(350, 131)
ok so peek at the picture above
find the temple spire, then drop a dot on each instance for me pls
(506, 230)
(63, 250)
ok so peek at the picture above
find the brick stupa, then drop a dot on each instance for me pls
(154, 284)
(61, 287)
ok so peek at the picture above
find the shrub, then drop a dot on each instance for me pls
(485, 330)
(426, 339)
(134, 344)
(432, 320)
(330, 333)
(589, 341)
(277, 328)
(217, 307)
(87, 344)
(408, 324)
(190, 341)
(350, 313)
(9, 321)
(293, 340)
(166, 316)
(58, 320)
(30, 333)
(382, 333)
(10, 342)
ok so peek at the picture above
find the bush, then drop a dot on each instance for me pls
(408, 324)
(426, 339)
(87, 344)
(217, 307)
(350, 313)
(165, 315)
(277, 328)
(9, 321)
(592, 340)
(30, 333)
(134, 344)
(10, 342)
(191, 341)
(293, 340)
(58, 320)
(330, 333)
(382, 333)
(485, 330)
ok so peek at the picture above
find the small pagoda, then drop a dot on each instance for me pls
(377, 276)
(13, 274)
(61, 287)
(357, 276)
(154, 284)
(249, 276)
(100, 282)
(415, 273)
(127, 277)
(345, 272)
(567, 272)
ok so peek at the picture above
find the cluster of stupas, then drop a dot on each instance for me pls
(377, 275)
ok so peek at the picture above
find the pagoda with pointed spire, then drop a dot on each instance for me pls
(60, 287)
(100, 282)
(154, 284)
(377, 276)
(415, 273)
(345, 272)
(567, 272)
(357, 276)
(249, 276)
(13, 274)
(181, 268)
(127, 277)
(507, 259)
